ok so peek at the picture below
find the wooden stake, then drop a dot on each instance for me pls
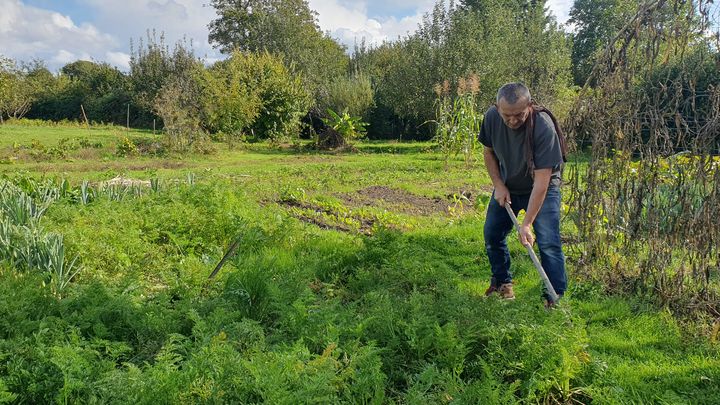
(127, 123)
(84, 116)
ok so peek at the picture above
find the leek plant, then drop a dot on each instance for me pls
(20, 207)
(24, 244)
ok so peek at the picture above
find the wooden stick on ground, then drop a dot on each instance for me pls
(228, 254)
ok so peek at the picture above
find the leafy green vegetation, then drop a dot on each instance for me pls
(307, 311)
(360, 278)
(349, 127)
(458, 120)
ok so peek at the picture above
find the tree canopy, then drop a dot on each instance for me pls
(282, 27)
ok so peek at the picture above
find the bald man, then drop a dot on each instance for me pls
(528, 179)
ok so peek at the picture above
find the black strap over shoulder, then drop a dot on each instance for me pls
(530, 139)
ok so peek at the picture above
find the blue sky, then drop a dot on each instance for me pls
(62, 31)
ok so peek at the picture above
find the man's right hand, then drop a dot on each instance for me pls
(502, 195)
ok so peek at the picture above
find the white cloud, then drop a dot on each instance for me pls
(63, 57)
(170, 7)
(28, 32)
(119, 59)
(560, 9)
(62, 21)
(349, 22)
(176, 19)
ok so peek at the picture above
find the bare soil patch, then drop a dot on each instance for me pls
(366, 224)
(403, 201)
(396, 200)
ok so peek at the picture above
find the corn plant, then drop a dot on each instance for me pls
(458, 121)
(645, 204)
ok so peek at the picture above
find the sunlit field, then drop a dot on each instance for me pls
(358, 277)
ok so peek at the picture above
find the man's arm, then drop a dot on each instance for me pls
(493, 167)
(541, 182)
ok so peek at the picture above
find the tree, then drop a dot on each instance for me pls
(152, 66)
(179, 105)
(280, 27)
(16, 93)
(495, 40)
(596, 22)
(99, 88)
(231, 103)
(39, 75)
(352, 94)
(97, 77)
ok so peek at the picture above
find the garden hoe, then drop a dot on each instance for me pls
(550, 290)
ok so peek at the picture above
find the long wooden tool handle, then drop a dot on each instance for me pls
(543, 276)
(227, 255)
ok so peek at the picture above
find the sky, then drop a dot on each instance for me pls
(63, 31)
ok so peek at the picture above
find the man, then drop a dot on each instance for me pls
(528, 179)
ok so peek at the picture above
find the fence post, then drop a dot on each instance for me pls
(84, 116)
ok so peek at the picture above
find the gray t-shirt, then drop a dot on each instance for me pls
(509, 147)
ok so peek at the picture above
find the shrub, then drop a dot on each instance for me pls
(256, 93)
(180, 107)
(15, 91)
(284, 99)
(125, 147)
(346, 126)
(353, 94)
(230, 102)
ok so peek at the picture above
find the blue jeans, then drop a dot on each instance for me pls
(498, 225)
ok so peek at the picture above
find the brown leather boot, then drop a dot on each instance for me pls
(506, 291)
(493, 287)
(490, 290)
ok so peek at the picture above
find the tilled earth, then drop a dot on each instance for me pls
(391, 199)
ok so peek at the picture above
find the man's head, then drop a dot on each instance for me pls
(513, 104)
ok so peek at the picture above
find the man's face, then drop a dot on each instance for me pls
(514, 115)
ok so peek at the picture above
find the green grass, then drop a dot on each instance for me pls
(11, 134)
(307, 315)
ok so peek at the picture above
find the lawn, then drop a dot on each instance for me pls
(358, 278)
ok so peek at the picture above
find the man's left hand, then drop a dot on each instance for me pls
(526, 235)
